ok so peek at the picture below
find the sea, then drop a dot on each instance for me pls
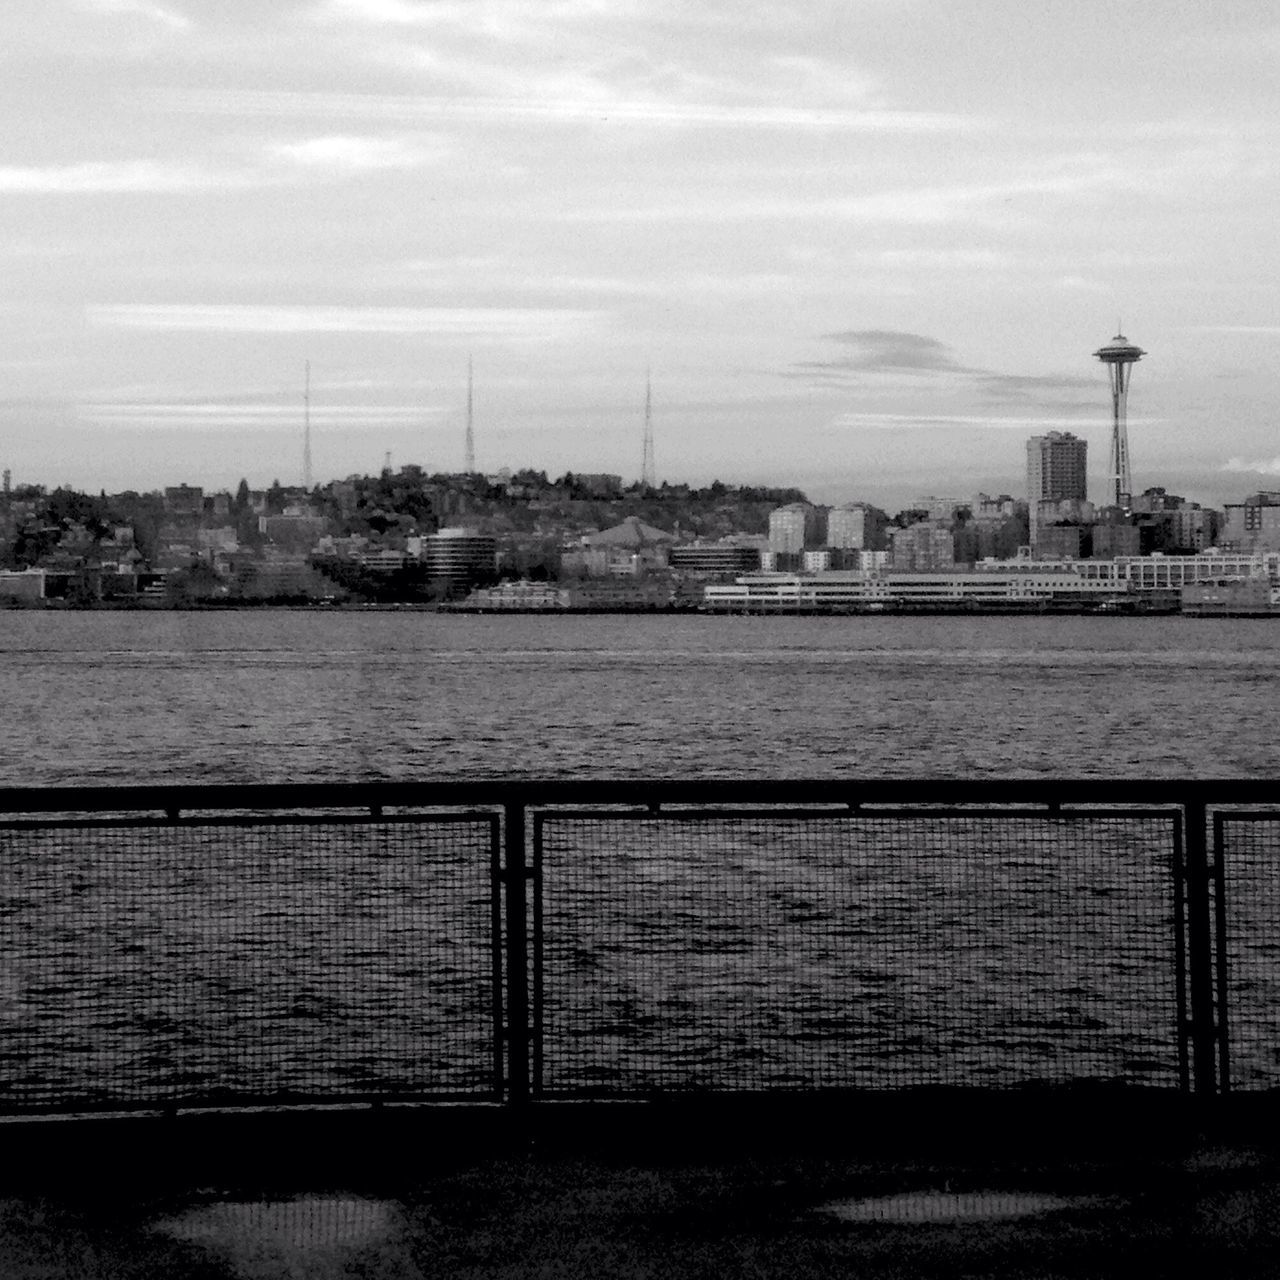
(315, 696)
(146, 965)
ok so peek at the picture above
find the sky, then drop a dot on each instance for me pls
(864, 247)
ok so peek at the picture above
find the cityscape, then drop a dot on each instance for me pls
(519, 541)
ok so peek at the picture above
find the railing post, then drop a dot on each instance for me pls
(1204, 1031)
(515, 872)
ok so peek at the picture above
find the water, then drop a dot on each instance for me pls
(313, 696)
(220, 961)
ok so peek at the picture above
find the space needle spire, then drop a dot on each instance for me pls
(1120, 355)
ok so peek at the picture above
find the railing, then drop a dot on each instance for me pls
(184, 947)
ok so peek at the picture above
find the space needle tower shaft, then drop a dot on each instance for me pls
(1120, 355)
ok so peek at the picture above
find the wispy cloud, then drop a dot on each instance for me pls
(1234, 328)
(1255, 466)
(906, 421)
(888, 351)
(348, 153)
(163, 14)
(100, 176)
(214, 416)
(286, 104)
(545, 323)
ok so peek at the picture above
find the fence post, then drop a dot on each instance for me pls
(515, 872)
(1204, 1032)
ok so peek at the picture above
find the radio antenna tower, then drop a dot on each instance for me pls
(647, 476)
(306, 431)
(1120, 355)
(469, 463)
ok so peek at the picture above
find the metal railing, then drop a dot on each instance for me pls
(196, 946)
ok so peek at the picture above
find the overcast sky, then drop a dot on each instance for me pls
(867, 247)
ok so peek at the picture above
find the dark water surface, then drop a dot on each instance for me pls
(218, 961)
(310, 696)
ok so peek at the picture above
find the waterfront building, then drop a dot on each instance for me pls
(1050, 586)
(714, 558)
(1249, 597)
(460, 557)
(1155, 572)
(26, 585)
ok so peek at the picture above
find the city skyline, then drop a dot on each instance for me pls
(853, 262)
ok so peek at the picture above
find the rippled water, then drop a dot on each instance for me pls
(296, 696)
(214, 962)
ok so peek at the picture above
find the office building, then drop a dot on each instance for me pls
(1056, 471)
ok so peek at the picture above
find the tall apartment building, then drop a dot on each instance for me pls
(1056, 470)
(856, 526)
(925, 547)
(792, 529)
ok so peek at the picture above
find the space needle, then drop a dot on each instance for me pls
(1120, 355)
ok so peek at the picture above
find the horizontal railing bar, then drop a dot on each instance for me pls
(249, 820)
(238, 1102)
(843, 814)
(551, 792)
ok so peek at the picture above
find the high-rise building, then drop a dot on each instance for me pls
(1056, 467)
(793, 528)
(856, 526)
(1056, 471)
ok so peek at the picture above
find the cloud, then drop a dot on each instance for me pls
(350, 153)
(139, 8)
(1234, 328)
(215, 416)
(1258, 466)
(99, 176)
(889, 351)
(588, 107)
(545, 323)
(900, 421)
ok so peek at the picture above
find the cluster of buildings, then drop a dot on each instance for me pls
(518, 541)
(1153, 552)
(185, 546)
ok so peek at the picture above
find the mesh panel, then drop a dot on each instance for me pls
(1251, 868)
(862, 951)
(150, 964)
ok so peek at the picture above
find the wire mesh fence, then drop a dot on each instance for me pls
(1248, 849)
(232, 959)
(798, 951)
(719, 941)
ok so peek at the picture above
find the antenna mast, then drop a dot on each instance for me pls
(647, 476)
(469, 463)
(306, 431)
